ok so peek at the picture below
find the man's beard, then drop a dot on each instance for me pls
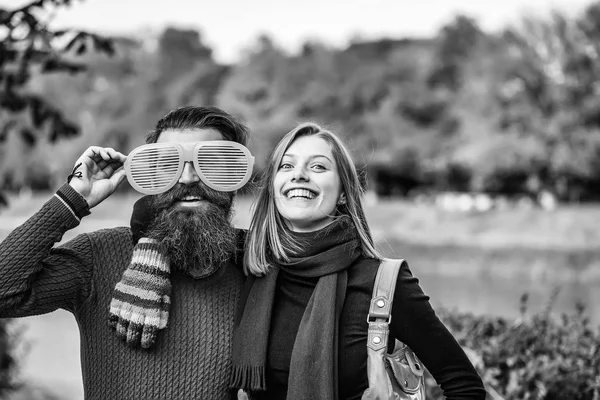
(199, 240)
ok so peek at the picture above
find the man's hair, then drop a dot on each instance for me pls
(193, 117)
(269, 238)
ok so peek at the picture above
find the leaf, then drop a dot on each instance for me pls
(61, 32)
(28, 137)
(43, 3)
(5, 16)
(62, 128)
(30, 20)
(39, 111)
(38, 56)
(58, 65)
(103, 45)
(6, 130)
(72, 42)
(12, 102)
(7, 55)
(82, 48)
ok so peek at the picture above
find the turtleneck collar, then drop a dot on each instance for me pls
(325, 251)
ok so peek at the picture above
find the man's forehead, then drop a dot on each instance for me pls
(189, 135)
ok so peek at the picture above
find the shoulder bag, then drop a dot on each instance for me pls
(397, 375)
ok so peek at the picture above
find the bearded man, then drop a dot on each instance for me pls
(155, 307)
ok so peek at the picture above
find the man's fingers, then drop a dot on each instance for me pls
(101, 164)
(115, 155)
(109, 154)
(118, 176)
(97, 153)
(93, 153)
(90, 158)
(97, 158)
(109, 168)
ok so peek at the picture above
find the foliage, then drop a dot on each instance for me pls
(456, 44)
(464, 110)
(551, 95)
(28, 48)
(7, 361)
(534, 357)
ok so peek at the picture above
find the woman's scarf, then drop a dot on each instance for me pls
(325, 254)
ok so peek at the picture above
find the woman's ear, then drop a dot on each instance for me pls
(342, 199)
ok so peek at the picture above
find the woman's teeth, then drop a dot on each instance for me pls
(300, 193)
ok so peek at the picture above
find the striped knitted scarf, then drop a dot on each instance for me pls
(141, 300)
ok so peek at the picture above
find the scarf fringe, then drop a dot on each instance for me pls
(248, 377)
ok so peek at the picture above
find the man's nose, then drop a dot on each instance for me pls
(188, 175)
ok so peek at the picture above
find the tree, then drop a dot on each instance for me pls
(551, 93)
(457, 40)
(28, 46)
(7, 362)
(180, 50)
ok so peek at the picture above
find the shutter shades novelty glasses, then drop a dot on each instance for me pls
(221, 164)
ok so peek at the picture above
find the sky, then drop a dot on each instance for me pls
(229, 26)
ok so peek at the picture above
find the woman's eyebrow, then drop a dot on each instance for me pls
(312, 157)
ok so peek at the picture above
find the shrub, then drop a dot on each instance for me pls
(7, 362)
(534, 357)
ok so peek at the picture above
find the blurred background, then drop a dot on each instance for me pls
(476, 125)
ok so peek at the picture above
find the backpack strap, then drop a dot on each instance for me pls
(381, 303)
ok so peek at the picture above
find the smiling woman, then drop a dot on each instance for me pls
(312, 262)
(310, 181)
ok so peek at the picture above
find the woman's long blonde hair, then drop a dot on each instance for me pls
(268, 238)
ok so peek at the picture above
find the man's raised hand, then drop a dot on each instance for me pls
(98, 173)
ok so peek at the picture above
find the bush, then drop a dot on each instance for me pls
(534, 357)
(7, 362)
(12, 387)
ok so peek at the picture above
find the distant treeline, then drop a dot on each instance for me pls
(467, 110)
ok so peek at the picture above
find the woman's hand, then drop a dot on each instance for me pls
(98, 173)
(241, 395)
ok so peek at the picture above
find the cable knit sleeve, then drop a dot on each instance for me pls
(36, 278)
(415, 323)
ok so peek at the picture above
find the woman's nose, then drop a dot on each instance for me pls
(188, 175)
(299, 174)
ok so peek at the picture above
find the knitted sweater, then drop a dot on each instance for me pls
(191, 357)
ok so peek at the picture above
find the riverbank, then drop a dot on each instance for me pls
(548, 246)
(569, 227)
